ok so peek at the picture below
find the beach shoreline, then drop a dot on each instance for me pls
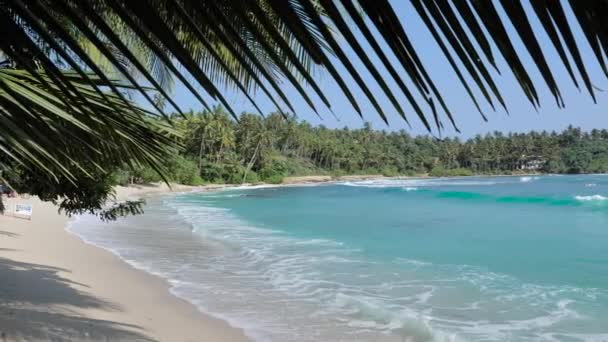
(308, 180)
(57, 286)
(141, 306)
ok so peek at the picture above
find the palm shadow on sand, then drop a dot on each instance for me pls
(8, 234)
(35, 305)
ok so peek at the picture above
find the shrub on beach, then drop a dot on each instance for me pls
(274, 171)
(121, 177)
(183, 171)
(440, 171)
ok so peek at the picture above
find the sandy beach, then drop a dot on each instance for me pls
(55, 287)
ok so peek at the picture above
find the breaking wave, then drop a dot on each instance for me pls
(591, 198)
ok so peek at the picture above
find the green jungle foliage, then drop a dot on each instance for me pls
(255, 149)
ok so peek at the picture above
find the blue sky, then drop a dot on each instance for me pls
(580, 109)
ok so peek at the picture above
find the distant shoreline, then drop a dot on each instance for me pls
(329, 179)
(145, 190)
(323, 179)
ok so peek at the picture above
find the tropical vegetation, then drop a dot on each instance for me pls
(256, 149)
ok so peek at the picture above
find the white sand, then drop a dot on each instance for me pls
(55, 287)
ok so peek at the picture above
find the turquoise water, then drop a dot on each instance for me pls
(468, 259)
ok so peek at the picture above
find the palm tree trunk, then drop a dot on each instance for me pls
(251, 161)
(220, 152)
(200, 153)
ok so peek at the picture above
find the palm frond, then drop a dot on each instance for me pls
(211, 45)
(257, 43)
(43, 128)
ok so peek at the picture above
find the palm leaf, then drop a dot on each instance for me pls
(56, 89)
(265, 41)
(42, 132)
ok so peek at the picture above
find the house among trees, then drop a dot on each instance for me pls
(532, 163)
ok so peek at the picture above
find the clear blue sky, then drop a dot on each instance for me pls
(580, 109)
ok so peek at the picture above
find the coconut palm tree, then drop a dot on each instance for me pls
(69, 69)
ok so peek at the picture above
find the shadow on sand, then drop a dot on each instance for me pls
(35, 302)
(9, 234)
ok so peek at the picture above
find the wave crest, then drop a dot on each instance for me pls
(591, 198)
(407, 184)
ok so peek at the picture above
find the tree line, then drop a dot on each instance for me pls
(265, 149)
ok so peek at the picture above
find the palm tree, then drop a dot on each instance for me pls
(263, 138)
(255, 138)
(68, 68)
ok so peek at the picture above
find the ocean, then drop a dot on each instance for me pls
(451, 259)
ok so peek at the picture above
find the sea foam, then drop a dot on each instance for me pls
(413, 184)
(591, 198)
(280, 286)
(315, 278)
